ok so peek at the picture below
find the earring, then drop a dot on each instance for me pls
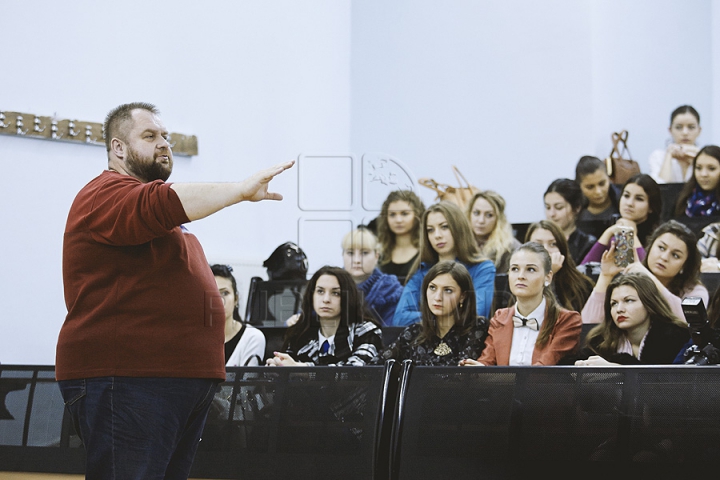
(547, 284)
(461, 304)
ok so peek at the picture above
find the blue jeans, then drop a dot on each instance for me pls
(138, 428)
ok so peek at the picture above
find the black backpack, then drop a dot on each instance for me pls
(287, 262)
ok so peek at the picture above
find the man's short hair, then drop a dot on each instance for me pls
(117, 121)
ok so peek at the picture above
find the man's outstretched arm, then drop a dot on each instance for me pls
(202, 199)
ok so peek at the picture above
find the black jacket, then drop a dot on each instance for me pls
(662, 344)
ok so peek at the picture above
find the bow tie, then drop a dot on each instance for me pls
(531, 323)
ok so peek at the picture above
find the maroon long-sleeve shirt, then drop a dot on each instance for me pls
(141, 298)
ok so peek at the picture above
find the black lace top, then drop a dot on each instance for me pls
(470, 345)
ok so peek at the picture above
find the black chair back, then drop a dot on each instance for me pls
(270, 303)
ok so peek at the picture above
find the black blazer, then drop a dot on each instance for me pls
(662, 344)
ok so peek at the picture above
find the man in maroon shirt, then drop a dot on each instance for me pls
(141, 350)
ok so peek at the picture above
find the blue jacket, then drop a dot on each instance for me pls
(382, 293)
(483, 277)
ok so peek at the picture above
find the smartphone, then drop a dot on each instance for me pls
(624, 241)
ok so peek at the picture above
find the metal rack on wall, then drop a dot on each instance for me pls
(30, 125)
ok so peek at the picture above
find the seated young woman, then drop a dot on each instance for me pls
(672, 263)
(493, 233)
(600, 199)
(244, 344)
(398, 230)
(536, 330)
(700, 196)
(673, 164)
(447, 236)
(334, 327)
(640, 208)
(450, 329)
(563, 202)
(381, 291)
(571, 287)
(638, 327)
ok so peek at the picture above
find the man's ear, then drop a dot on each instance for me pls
(117, 146)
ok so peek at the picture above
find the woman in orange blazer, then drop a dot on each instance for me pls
(536, 330)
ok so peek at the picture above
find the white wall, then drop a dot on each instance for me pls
(496, 88)
(520, 86)
(258, 82)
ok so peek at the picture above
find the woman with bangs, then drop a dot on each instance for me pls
(493, 233)
(672, 263)
(381, 292)
(571, 287)
(446, 237)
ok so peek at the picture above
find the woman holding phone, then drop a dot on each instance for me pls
(640, 208)
(672, 263)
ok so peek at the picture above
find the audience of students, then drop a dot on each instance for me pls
(571, 287)
(640, 208)
(701, 193)
(638, 327)
(450, 329)
(563, 203)
(600, 198)
(334, 328)
(244, 344)
(672, 263)
(536, 330)
(673, 164)
(381, 292)
(446, 237)
(493, 233)
(398, 229)
(445, 312)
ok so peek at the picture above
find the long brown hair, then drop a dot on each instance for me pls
(465, 312)
(552, 308)
(385, 235)
(352, 311)
(571, 287)
(466, 249)
(655, 304)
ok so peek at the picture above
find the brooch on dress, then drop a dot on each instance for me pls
(442, 349)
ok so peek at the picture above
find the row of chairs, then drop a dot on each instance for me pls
(398, 421)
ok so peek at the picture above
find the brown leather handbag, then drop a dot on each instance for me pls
(459, 195)
(620, 167)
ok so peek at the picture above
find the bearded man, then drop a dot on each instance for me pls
(140, 353)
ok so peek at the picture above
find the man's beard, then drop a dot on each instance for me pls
(147, 169)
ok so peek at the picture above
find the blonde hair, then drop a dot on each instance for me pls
(501, 239)
(361, 238)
